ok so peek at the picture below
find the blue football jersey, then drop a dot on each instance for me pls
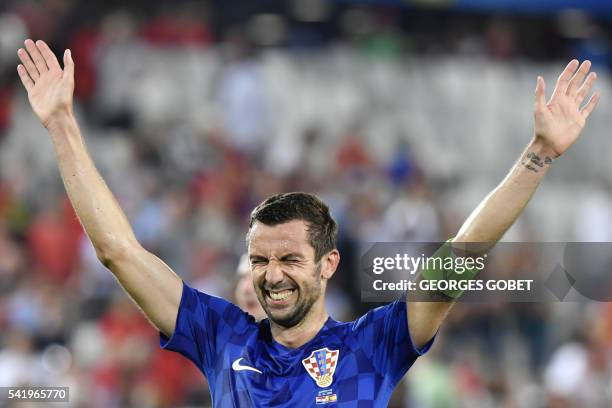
(355, 364)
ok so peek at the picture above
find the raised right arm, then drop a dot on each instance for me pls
(154, 287)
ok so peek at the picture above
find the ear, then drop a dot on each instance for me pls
(329, 263)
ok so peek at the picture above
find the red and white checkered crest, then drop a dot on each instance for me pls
(321, 365)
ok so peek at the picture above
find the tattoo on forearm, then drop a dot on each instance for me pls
(534, 162)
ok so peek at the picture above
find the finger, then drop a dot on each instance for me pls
(28, 64)
(68, 66)
(588, 108)
(25, 78)
(585, 88)
(540, 94)
(578, 77)
(48, 55)
(564, 78)
(40, 63)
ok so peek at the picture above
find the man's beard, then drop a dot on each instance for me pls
(306, 298)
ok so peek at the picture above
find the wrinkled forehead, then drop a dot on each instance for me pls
(268, 240)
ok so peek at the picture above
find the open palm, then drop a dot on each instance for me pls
(559, 121)
(49, 87)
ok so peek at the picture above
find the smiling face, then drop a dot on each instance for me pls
(287, 280)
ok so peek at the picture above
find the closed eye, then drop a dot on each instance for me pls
(258, 261)
(291, 259)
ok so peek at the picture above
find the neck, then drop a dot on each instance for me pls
(301, 333)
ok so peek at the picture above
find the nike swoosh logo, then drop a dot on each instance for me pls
(236, 366)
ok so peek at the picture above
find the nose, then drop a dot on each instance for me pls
(274, 273)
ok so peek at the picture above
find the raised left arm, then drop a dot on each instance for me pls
(558, 124)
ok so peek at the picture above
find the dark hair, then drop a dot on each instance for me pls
(285, 207)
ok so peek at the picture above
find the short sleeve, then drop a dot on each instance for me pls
(203, 325)
(385, 331)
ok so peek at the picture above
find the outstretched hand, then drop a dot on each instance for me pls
(559, 121)
(49, 87)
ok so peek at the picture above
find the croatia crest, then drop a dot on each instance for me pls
(321, 365)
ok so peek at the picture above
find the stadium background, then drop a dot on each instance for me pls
(401, 116)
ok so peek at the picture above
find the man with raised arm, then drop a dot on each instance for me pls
(298, 356)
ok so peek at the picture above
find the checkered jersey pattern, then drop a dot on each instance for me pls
(370, 356)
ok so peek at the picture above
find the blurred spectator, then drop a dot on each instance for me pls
(245, 295)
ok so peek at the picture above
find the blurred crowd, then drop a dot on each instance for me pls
(194, 112)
